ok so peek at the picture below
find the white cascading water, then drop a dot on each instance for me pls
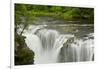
(77, 51)
(48, 44)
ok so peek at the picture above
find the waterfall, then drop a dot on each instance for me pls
(50, 46)
(51, 42)
(77, 50)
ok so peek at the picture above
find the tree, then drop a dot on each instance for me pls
(23, 17)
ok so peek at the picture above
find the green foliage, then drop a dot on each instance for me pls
(23, 16)
(68, 13)
(23, 55)
(56, 9)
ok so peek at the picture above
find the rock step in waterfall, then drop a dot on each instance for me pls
(51, 47)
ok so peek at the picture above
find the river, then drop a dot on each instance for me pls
(57, 41)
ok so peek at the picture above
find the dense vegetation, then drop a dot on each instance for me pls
(25, 14)
(23, 55)
(67, 13)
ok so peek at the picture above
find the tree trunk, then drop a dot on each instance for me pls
(22, 31)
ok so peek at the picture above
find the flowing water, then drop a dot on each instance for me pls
(53, 43)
